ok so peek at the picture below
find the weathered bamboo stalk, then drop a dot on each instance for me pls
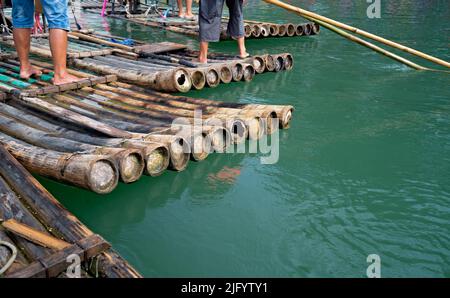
(50, 212)
(176, 80)
(130, 161)
(74, 117)
(94, 172)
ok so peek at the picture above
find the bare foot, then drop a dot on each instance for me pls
(190, 16)
(245, 55)
(202, 61)
(27, 72)
(64, 79)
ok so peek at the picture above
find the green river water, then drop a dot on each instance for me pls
(364, 168)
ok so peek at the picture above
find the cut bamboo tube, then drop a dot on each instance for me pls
(130, 161)
(93, 172)
(176, 80)
(316, 17)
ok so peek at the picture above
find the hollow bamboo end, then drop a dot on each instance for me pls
(307, 28)
(265, 31)
(279, 62)
(182, 80)
(226, 75)
(290, 30)
(256, 31)
(238, 130)
(288, 60)
(198, 79)
(131, 164)
(299, 30)
(282, 30)
(103, 176)
(248, 73)
(200, 147)
(237, 70)
(212, 78)
(220, 139)
(247, 30)
(157, 161)
(315, 29)
(179, 154)
(255, 131)
(273, 30)
(285, 117)
(270, 63)
(259, 64)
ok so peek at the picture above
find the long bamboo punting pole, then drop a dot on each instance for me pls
(324, 20)
(93, 172)
(50, 212)
(371, 46)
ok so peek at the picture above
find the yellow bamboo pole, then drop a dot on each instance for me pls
(368, 45)
(306, 13)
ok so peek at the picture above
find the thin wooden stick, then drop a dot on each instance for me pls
(308, 15)
(34, 236)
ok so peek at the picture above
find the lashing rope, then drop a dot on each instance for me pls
(13, 256)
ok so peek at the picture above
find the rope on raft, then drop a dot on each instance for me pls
(13, 256)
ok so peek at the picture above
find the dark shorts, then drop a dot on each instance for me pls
(210, 19)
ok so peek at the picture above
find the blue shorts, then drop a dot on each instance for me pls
(55, 12)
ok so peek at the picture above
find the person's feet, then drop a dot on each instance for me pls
(202, 59)
(64, 79)
(244, 55)
(27, 71)
(189, 16)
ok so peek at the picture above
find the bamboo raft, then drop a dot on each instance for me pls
(99, 131)
(165, 66)
(152, 17)
(38, 236)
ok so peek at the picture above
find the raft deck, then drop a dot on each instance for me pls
(151, 16)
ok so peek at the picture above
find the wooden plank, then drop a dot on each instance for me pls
(160, 47)
(33, 235)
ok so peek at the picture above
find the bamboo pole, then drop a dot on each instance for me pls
(130, 161)
(93, 172)
(324, 20)
(370, 45)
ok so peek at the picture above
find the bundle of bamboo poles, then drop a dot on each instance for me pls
(96, 134)
(163, 66)
(38, 233)
(253, 29)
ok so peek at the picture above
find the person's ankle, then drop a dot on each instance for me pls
(25, 65)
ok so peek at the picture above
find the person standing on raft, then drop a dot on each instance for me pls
(56, 13)
(210, 19)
